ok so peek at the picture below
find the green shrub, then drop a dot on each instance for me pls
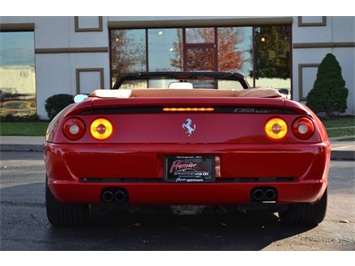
(328, 94)
(57, 103)
(11, 118)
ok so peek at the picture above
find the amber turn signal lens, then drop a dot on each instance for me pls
(101, 129)
(275, 128)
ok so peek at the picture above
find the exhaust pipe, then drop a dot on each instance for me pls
(270, 194)
(263, 194)
(107, 196)
(258, 194)
(114, 194)
(120, 196)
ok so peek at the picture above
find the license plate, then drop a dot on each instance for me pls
(189, 169)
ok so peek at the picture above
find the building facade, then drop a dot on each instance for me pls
(43, 56)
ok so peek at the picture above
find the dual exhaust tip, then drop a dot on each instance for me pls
(263, 194)
(114, 195)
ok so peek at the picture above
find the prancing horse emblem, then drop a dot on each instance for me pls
(187, 126)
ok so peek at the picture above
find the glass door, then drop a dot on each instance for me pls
(200, 51)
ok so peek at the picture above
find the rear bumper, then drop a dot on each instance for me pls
(80, 173)
(186, 194)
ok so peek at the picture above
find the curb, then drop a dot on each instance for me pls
(343, 155)
(21, 147)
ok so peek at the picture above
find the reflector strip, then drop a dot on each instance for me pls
(188, 109)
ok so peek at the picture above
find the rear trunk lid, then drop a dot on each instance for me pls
(189, 120)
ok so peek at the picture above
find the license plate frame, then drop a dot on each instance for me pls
(189, 169)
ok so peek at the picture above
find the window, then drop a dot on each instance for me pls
(261, 54)
(17, 71)
(128, 52)
(272, 57)
(235, 49)
(164, 50)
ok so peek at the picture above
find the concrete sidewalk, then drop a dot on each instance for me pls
(14, 143)
(342, 148)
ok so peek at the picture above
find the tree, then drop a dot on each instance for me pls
(177, 62)
(328, 94)
(272, 52)
(202, 58)
(229, 57)
(127, 53)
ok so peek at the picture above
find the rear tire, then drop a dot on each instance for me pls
(65, 214)
(305, 213)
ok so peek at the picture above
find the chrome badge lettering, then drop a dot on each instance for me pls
(187, 126)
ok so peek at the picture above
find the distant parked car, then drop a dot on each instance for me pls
(285, 92)
(17, 108)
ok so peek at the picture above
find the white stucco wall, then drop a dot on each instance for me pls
(59, 32)
(56, 72)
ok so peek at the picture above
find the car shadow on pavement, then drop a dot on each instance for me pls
(163, 232)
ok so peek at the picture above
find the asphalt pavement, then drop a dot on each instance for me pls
(343, 148)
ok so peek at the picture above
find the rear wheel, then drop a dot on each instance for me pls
(65, 214)
(305, 213)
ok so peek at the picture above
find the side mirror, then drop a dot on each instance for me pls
(80, 98)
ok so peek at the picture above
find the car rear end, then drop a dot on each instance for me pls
(187, 151)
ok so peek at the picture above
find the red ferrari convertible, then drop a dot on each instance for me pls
(189, 142)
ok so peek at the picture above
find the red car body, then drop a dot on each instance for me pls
(187, 147)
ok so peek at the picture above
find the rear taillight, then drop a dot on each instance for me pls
(74, 128)
(275, 128)
(101, 129)
(303, 128)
